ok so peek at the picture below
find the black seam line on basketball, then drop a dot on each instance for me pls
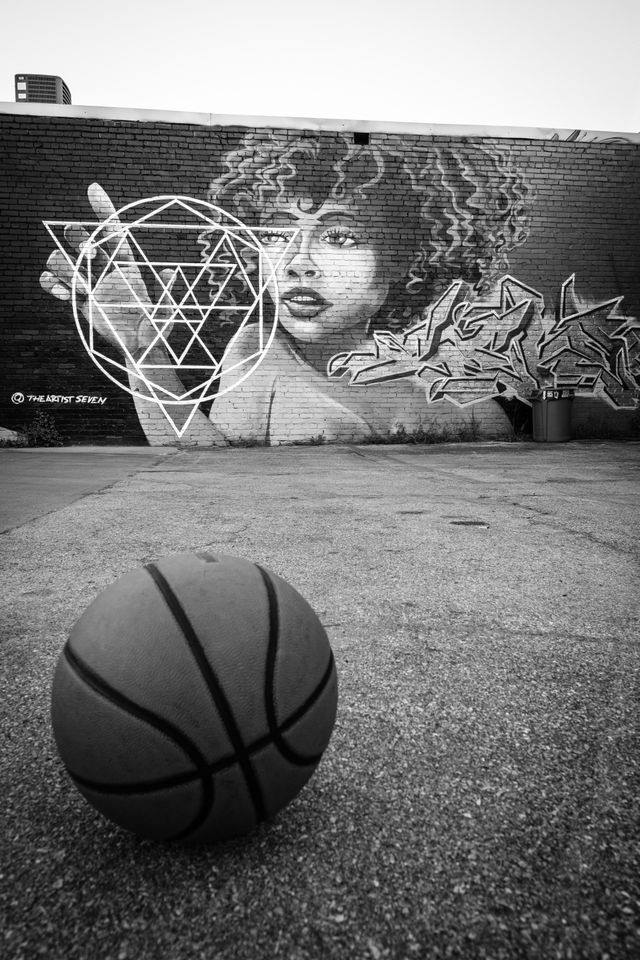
(312, 698)
(215, 689)
(149, 786)
(142, 786)
(180, 779)
(97, 683)
(270, 679)
(105, 690)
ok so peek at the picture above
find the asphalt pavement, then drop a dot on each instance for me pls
(480, 796)
(36, 481)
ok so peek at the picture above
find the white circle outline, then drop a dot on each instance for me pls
(115, 217)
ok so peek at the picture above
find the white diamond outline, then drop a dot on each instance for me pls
(100, 236)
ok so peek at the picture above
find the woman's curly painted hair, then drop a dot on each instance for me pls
(447, 212)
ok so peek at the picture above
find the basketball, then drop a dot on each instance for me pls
(194, 698)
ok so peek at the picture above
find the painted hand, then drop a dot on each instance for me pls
(115, 302)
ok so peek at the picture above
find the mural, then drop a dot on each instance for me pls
(334, 291)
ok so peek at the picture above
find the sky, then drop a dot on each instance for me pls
(567, 64)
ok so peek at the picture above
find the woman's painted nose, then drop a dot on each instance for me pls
(302, 266)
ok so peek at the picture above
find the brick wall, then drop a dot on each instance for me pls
(426, 291)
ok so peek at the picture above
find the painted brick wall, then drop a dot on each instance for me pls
(422, 285)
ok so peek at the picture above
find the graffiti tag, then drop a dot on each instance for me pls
(58, 398)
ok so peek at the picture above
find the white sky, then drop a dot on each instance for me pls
(527, 63)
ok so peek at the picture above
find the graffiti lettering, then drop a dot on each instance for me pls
(466, 351)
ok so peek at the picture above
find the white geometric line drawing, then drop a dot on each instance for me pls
(127, 252)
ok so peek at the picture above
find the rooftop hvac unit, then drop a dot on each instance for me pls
(36, 88)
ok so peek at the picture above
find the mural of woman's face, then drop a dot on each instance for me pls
(332, 278)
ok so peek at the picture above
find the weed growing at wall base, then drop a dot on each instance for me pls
(316, 441)
(246, 442)
(468, 433)
(40, 432)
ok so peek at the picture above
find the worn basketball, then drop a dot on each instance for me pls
(194, 698)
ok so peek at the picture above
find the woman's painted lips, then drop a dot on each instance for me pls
(304, 303)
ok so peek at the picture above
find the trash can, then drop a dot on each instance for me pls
(552, 416)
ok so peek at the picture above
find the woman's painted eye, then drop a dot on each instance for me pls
(339, 237)
(273, 236)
